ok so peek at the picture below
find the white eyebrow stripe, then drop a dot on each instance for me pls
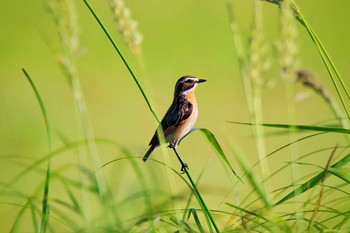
(194, 79)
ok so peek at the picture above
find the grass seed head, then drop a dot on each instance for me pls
(127, 27)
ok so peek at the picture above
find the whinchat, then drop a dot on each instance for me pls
(180, 117)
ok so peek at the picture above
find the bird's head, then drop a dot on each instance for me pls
(187, 83)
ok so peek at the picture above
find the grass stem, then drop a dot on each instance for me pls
(123, 59)
(201, 199)
(45, 213)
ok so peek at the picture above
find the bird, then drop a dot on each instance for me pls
(180, 117)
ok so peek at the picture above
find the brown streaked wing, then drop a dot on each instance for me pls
(176, 114)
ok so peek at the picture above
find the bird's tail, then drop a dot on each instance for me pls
(148, 153)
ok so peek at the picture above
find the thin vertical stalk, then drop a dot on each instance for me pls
(67, 24)
(198, 194)
(288, 62)
(255, 68)
(250, 66)
(123, 59)
(324, 55)
(326, 60)
(45, 201)
(201, 200)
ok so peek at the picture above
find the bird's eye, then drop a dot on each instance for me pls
(189, 81)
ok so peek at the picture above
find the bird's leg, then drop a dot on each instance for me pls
(183, 164)
(171, 145)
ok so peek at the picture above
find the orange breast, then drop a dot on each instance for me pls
(191, 97)
(187, 125)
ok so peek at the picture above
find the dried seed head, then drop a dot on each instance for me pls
(67, 21)
(288, 49)
(308, 79)
(126, 26)
(258, 60)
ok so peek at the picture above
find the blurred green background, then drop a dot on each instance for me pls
(180, 38)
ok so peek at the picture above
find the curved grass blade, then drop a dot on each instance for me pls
(252, 178)
(329, 64)
(216, 146)
(300, 127)
(42, 107)
(141, 179)
(246, 211)
(190, 197)
(73, 199)
(321, 194)
(196, 219)
(314, 181)
(193, 187)
(18, 217)
(325, 57)
(182, 225)
(334, 171)
(52, 154)
(202, 203)
(123, 59)
(45, 203)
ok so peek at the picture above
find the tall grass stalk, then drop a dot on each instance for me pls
(309, 81)
(45, 213)
(240, 54)
(170, 176)
(326, 59)
(288, 62)
(65, 16)
(127, 27)
(251, 66)
(123, 59)
(206, 211)
(252, 178)
(256, 66)
(318, 203)
(328, 62)
(200, 198)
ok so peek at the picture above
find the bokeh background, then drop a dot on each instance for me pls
(180, 38)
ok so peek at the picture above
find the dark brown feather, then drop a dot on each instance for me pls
(177, 113)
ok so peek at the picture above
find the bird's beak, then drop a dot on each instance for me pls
(201, 80)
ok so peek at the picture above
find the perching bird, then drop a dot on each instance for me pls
(180, 117)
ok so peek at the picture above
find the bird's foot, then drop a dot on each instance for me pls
(183, 167)
(171, 145)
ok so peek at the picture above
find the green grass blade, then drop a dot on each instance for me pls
(18, 218)
(191, 185)
(216, 146)
(123, 59)
(334, 171)
(182, 225)
(72, 197)
(300, 127)
(196, 219)
(340, 174)
(190, 197)
(323, 53)
(34, 218)
(314, 181)
(253, 180)
(42, 108)
(53, 154)
(246, 211)
(141, 179)
(325, 57)
(45, 201)
(202, 203)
